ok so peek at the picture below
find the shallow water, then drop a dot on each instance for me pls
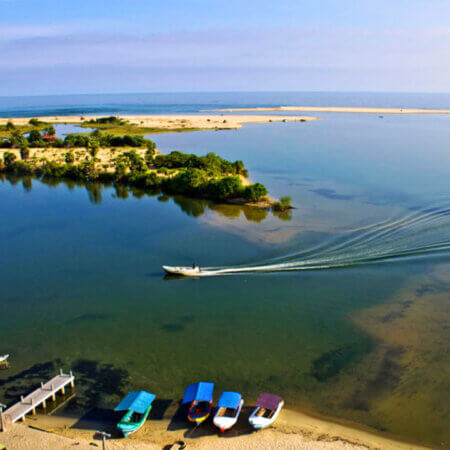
(363, 337)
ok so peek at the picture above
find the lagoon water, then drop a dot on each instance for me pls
(364, 337)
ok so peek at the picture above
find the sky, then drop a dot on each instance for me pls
(68, 47)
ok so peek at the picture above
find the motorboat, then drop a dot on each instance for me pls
(193, 271)
(137, 406)
(199, 397)
(228, 410)
(267, 408)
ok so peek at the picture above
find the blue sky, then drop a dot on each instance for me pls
(52, 47)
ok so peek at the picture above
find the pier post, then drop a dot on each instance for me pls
(2, 421)
(72, 383)
(44, 403)
(21, 399)
(53, 392)
(63, 390)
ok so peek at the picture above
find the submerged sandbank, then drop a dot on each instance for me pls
(344, 109)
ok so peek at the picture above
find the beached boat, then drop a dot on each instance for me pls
(267, 409)
(184, 271)
(137, 406)
(229, 408)
(199, 396)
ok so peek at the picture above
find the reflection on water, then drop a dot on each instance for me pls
(194, 207)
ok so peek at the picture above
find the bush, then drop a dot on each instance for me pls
(283, 204)
(255, 192)
(24, 152)
(9, 158)
(35, 122)
(35, 139)
(10, 126)
(69, 158)
(225, 188)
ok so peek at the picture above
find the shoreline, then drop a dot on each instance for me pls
(343, 109)
(292, 429)
(168, 122)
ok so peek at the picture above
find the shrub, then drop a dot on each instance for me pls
(9, 158)
(24, 152)
(69, 158)
(35, 122)
(50, 130)
(10, 126)
(255, 192)
(283, 204)
(224, 188)
(35, 139)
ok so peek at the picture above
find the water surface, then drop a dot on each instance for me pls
(363, 337)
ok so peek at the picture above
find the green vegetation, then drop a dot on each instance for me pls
(138, 165)
(118, 127)
(208, 176)
(283, 204)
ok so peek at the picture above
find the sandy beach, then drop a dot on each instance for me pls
(207, 121)
(344, 109)
(293, 430)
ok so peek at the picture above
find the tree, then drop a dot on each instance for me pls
(93, 147)
(35, 139)
(9, 158)
(50, 130)
(10, 126)
(24, 152)
(255, 192)
(35, 122)
(69, 158)
(149, 155)
(17, 140)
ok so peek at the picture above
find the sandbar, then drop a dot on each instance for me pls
(344, 109)
(172, 121)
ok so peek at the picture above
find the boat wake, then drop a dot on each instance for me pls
(423, 233)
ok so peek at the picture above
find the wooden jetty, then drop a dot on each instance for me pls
(39, 397)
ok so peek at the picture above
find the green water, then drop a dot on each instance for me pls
(81, 284)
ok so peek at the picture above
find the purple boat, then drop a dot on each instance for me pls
(267, 408)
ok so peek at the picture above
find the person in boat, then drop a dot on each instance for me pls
(195, 267)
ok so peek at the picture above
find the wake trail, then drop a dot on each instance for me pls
(422, 233)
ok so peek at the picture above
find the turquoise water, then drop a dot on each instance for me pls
(361, 337)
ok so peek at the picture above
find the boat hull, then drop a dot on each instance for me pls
(182, 271)
(227, 422)
(259, 422)
(196, 416)
(126, 426)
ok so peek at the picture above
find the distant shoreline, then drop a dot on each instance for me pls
(344, 109)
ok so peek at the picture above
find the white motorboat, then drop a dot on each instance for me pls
(267, 409)
(228, 410)
(194, 271)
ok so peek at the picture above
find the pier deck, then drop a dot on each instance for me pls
(39, 397)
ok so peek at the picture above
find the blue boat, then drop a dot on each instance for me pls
(137, 406)
(199, 396)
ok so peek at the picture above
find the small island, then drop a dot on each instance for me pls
(109, 156)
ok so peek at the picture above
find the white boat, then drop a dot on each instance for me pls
(4, 358)
(228, 410)
(184, 271)
(267, 409)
